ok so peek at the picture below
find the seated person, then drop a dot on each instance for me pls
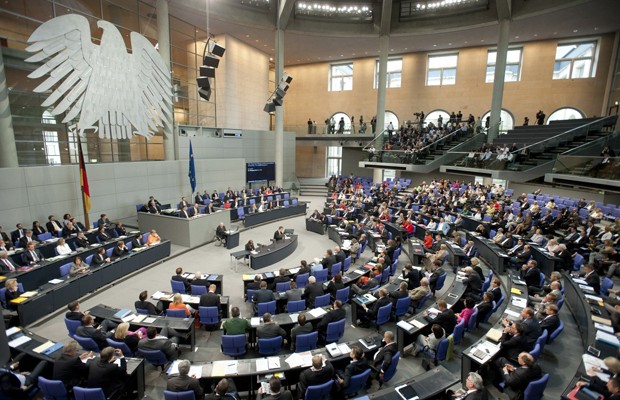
(485, 306)
(78, 267)
(516, 378)
(180, 278)
(334, 315)
(163, 342)
(313, 290)
(596, 384)
(357, 365)
(430, 342)
(31, 255)
(369, 314)
(236, 325)
(100, 257)
(181, 381)
(294, 293)
(275, 387)
(81, 240)
(262, 295)
(302, 328)
(102, 235)
(221, 232)
(421, 291)
(147, 305)
(225, 389)
(105, 374)
(119, 250)
(153, 238)
(70, 368)
(467, 311)
(12, 292)
(98, 334)
(177, 304)
(334, 285)
(131, 339)
(6, 263)
(278, 235)
(62, 247)
(269, 328)
(474, 389)
(69, 230)
(320, 372)
(16, 384)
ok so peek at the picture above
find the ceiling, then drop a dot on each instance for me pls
(316, 41)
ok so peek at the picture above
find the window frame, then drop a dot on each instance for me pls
(571, 61)
(388, 73)
(519, 64)
(341, 77)
(336, 158)
(441, 69)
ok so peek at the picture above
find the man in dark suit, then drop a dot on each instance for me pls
(88, 330)
(508, 241)
(313, 290)
(100, 258)
(513, 342)
(184, 212)
(357, 365)
(591, 278)
(182, 382)
(69, 230)
(328, 259)
(119, 250)
(27, 238)
(485, 306)
(383, 357)
(551, 322)
(531, 326)
(82, 241)
(474, 389)
(334, 315)
(370, 313)
(320, 372)
(147, 305)
(302, 328)
(269, 329)
(103, 221)
(221, 232)
(446, 318)
(194, 211)
(255, 284)
(339, 254)
(153, 341)
(531, 274)
(180, 278)
(199, 198)
(6, 263)
(262, 295)
(412, 276)
(4, 236)
(400, 293)
(436, 272)
(278, 235)
(210, 299)
(521, 256)
(473, 282)
(200, 280)
(275, 387)
(52, 225)
(106, 374)
(32, 255)
(70, 368)
(517, 378)
(5, 246)
(281, 278)
(183, 203)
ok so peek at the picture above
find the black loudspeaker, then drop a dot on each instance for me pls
(217, 50)
(269, 107)
(286, 78)
(205, 94)
(210, 61)
(203, 82)
(207, 71)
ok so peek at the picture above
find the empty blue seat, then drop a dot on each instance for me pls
(120, 345)
(177, 287)
(319, 392)
(184, 395)
(306, 342)
(198, 290)
(209, 316)
(234, 345)
(88, 394)
(53, 390)
(335, 331)
(267, 307)
(343, 294)
(176, 313)
(87, 343)
(322, 301)
(269, 346)
(295, 306)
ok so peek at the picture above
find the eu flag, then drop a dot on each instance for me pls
(192, 169)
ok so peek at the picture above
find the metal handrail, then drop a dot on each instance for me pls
(598, 121)
(374, 140)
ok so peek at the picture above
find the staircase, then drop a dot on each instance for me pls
(313, 187)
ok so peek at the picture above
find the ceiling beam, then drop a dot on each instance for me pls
(285, 10)
(504, 9)
(386, 17)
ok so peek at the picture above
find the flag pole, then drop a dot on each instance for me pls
(83, 183)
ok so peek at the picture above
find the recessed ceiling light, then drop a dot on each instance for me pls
(342, 55)
(466, 42)
(391, 49)
(352, 54)
(517, 37)
(481, 40)
(449, 44)
(270, 58)
(536, 35)
(596, 28)
(555, 33)
(575, 30)
(434, 45)
(257, 40)
(405, 48)
(247, 35)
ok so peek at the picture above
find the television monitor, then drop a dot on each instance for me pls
(260, 172)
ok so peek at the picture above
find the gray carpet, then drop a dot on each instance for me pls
(216, 260)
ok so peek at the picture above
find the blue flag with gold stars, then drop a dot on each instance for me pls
(192, 169)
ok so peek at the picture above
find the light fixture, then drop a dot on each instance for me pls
(414, 9)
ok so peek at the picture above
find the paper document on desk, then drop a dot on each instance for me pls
(360, 271)
(160, 295)
(580, 281)
(418, 324)
(588, 296)
(138, 319)
(333, 350)
(294, 270)
(128, 318)
(317, 312)
(274, 362)
(19, 341)
(40, 349)
(294, 361)
(344, 348)
(55, 281)
(29, 294)
(405, 325)
(604, 328)
(494, 334)
(13, 330)
(149, 320)
(607, 338)
(520, 302)
(512, 313)
(255, 321)
(586, 288)
(294, 317)
(433, 310)
(262, 364)
(600, 320)
(590, 361)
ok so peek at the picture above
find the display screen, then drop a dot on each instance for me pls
(260, 171)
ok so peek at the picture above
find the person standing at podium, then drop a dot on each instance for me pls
(279, 234)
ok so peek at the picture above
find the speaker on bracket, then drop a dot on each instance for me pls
(210, 62)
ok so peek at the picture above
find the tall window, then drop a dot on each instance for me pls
(394, 73)
(50, 139)
(565, 113)
(574, 60)
(341, 77)
(334, 160)
(441, 69)
(506, 120)
(513, 65)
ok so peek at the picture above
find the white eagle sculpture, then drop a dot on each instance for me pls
(115, 93)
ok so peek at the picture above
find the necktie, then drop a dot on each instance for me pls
(34, 255)
(8, 264)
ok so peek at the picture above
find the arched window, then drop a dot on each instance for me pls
(433, 116)
(565, 113)
(506, 123)
(391, 117)
(347, 122)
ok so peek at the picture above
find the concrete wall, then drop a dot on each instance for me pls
(33, 193)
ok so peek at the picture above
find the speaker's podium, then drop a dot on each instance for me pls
(232, 240)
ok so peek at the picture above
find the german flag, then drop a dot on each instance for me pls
(83, 177)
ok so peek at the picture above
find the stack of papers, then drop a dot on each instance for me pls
(194, 370)
(294, 317)
(29, 294)
(255, 321)
(336, 350)
(604, 328)
(55, 281)
(520, 302)
(129, 317)
(160, 296)
(418, 324)
(19, 341)
(138, 318)
(149, 320)
(40, 349)
(293, 270)
(405, 325)
(608, 338)
(296, 360)
(262, 364)
(224, 368)
(317, 312)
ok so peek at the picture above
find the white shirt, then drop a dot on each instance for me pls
(63, 249)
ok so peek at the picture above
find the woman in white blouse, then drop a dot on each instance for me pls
(62, 247)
